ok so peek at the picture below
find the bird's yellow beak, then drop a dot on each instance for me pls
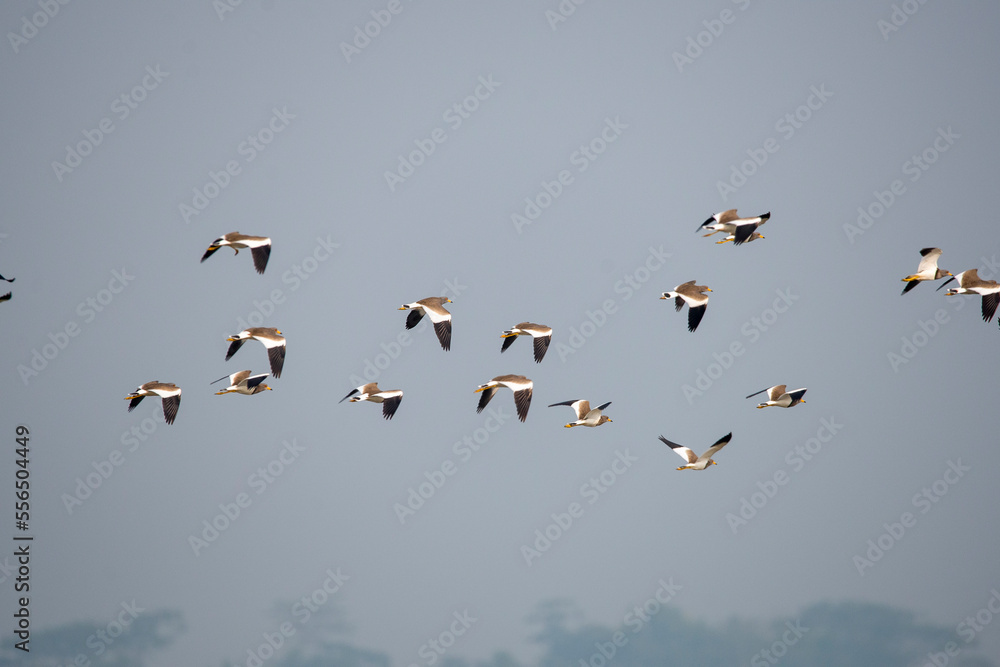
(449, 301)
(610, 420)
(478, 390)
(266, 387)
(232, 339)
(663, 297)
(708, 289)
(402, 308)
(212, 247)
(278, 332)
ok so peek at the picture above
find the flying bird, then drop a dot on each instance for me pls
(926, 270)
(260, 247)
(969, 282)
(520, 385)
(541, 337)
(778, 397)
(168, 391)
(243, 383)
(695, 462)
(585, 416)
(433, 307)
(693, 296)
(742, 230)
(272, 340)
(389, 399)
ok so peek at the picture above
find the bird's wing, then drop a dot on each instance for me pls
(929, 260)
(541, 347)
(208, 253)
(390, 403)
(260, 256)
(276, 357)
(695, 313)
(486, 397)
(507, 342)
(238, 377)
(170, 407)
(413, 317)
(254, 380)
(729, 215)
(443, 331)
(234, 346)
(681, 450)
(743, 232)
(775, 392)
(714, 449)
(990, 302)
(946, 282)
(522, 400)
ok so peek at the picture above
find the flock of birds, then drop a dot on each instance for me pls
(737, 230)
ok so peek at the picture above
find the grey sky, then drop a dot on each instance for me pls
(839, 106)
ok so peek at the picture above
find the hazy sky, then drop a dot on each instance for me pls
(530, 168)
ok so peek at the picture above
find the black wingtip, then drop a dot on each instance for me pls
(945, 283)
